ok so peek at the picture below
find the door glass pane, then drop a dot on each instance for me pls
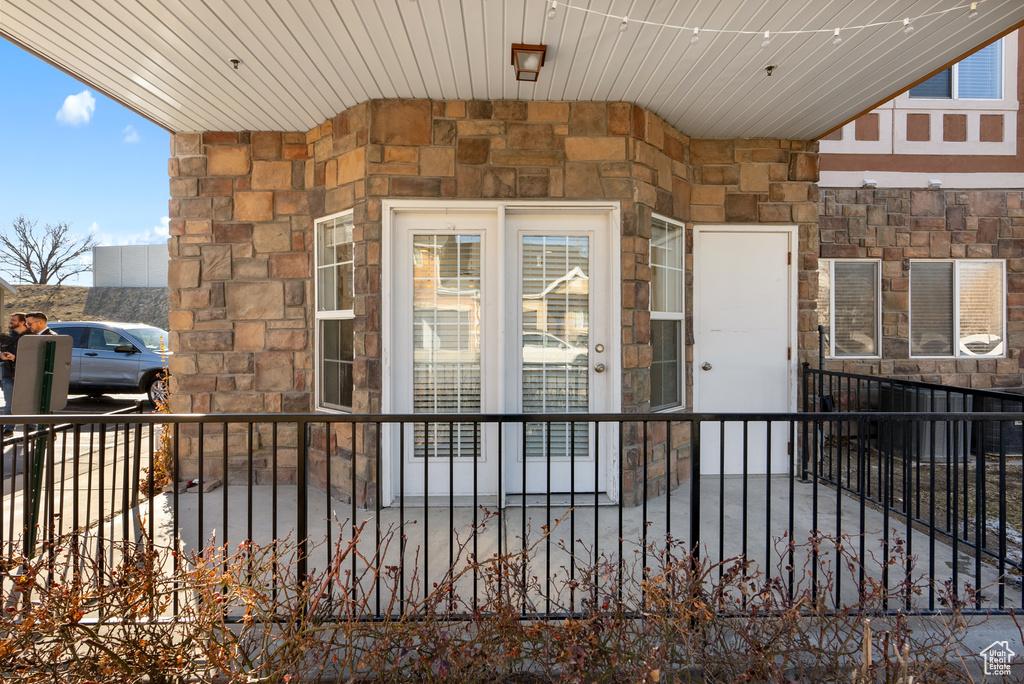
(446, 340)
(555, 341)
(981, 308)
(931, 309)
(336, 363)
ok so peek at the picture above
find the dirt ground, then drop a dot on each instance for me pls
(59, 303)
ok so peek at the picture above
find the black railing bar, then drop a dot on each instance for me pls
(273, 512)
(451, 507)
(916, 416)
(895, 382)
(572, 513)
(721, 494)
(792, 513)
(1002, 515)
(547, 517)
(768, 498)
(248, 501)
(744, 514)
(377, 523)
(643, 513)
(353, 450)
(224, 496)
(979, 505)
(477, 435)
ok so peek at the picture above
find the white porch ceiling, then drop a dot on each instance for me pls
(303, 61)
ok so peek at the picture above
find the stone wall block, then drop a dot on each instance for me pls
(351, 166)
(254, 206)
(803, 166)
(473, 150)
(183, 273)
(228, 160)
(556, 112)
(582, 180)
(530, 136)
(216, 262)
(284, 266)
(184, 144)
(435, 161)
(272, 175)
(588, 119)
(254, 301)
(274, 371)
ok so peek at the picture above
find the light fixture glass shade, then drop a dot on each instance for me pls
(528, 59)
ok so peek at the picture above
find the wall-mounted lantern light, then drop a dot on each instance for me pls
(528, 59)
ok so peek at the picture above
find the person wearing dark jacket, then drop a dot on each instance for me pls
(8, 349)
(36, 322)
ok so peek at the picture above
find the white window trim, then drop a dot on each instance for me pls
(318, 316)
(673, 316)
(832, 309)
(956, 309)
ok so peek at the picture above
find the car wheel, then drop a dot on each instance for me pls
(156, 389)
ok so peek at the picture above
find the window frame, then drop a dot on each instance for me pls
(679, 317)
(954, 81)
(957, 264)
(321, 316)
(832, 308)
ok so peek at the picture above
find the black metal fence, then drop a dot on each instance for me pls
(937, 458)
(719, 486)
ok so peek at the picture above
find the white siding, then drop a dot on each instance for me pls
(130, 266)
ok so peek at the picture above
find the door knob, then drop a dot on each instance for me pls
(599, 368)
(706, 366)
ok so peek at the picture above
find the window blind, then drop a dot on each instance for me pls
(931, 309)
(855, 323)
(979, 76)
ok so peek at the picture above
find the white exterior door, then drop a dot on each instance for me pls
(497, 310)
(744, 320)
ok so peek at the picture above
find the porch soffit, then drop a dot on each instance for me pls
(303, 61)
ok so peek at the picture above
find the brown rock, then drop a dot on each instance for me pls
(227, 160)
(272, 237)
(510, 110)
(437, 161)
(773, 213)
(473, 150)
(531, 136)
(498, 182)
(271, 175)
(720, 175)
(187, 143)
(287, 340)
(444, 132)
(416, 187)
(205, 341)
(588, 119)
(400, 122)
(254, 301)
(250, 336)
(183, 273)
(533, 186)
(219, 137)
(928, 203)
(216, 262)
(711, 151)
(485, 127)
(266, 145)
(557, 112)
(582, 180)
(740, 207)
(595, 149)
(274, 371)
(292, 203)
(352, 166)
(232, 232)
(289, 266)
(254, 206)
(216, 187)
(987, 203)
(803, 166)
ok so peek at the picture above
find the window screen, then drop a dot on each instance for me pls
(978, 77)
(667, 312)
(957, 308)
(931, 309)
(334, 311)
(848, 305)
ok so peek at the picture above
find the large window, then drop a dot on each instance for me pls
(848, 293)
(978, 77)
(667, 313)
(957, 308)
(334, 314)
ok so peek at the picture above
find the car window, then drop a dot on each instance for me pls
(106, 340)
(79, 336)
(153, 339)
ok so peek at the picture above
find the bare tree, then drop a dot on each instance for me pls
(50, 256)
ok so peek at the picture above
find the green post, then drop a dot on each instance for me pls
(49, 355)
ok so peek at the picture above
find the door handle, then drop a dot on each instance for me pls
(91, 354)
(705, 366)
(599, 368)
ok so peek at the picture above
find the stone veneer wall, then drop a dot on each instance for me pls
(244, 203)
(896, 225)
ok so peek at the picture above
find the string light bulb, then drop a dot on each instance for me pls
(973, 13)
(624, 24)
(767, 39)
(554, 6)
(836, 38)
(695, 37)
(907, 26)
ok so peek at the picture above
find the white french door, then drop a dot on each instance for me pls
(501, 310)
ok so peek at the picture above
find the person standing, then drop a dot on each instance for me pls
(36, 322)
(8, 348)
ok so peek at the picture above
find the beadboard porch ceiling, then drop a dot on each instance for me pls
(303, 61)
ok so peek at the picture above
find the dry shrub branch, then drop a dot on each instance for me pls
(136, 613)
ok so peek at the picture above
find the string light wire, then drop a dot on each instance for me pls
(902, 22)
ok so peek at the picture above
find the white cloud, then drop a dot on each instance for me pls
(94, 228)
(77, 109)
(130, 134)
(151, 236)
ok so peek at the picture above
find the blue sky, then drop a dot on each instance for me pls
(81, 158)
